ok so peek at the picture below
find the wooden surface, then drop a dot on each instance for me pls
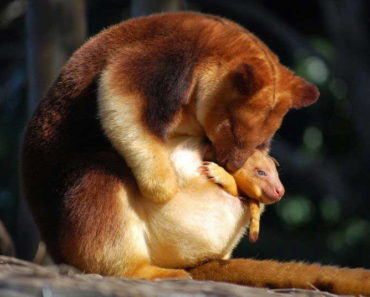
(23, 279)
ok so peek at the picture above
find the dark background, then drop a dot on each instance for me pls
(324, 150)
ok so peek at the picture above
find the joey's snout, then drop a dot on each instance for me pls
(279, 192)
(273, 194)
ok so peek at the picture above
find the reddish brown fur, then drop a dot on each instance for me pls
(65, 124)
(70, 170)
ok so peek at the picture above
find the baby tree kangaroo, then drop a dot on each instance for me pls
(258, 181)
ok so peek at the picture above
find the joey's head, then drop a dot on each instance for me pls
(258, 178)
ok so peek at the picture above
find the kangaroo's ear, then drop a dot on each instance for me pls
(303, 93)
(246, 77)
(243, 79)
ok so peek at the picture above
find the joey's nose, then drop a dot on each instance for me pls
(279, 192)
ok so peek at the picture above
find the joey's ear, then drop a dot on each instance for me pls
(245, 79)
(277, 164)
(303, 93)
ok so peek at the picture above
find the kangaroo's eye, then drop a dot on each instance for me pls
(261, 173)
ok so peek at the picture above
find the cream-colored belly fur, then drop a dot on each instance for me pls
(201, 222)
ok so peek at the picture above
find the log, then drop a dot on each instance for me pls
(23, 279)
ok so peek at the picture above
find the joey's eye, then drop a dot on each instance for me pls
(261, 173)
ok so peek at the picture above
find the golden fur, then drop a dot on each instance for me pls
(258, 181)
(266, 189)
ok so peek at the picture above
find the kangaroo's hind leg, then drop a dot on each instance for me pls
(102, 229)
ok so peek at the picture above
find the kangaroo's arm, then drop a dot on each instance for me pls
(121, 115)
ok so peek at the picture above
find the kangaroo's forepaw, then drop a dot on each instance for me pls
(160, 191)
(159, 194)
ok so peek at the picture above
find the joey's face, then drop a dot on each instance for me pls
(259, 179)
